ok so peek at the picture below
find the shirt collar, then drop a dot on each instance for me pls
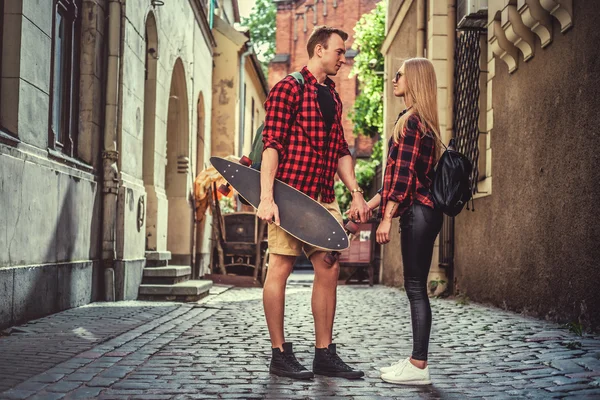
(402, 113)
(310, 78)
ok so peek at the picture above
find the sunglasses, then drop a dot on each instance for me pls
(397, 77)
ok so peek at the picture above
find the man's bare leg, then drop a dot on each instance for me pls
(279, 270)
(326, 361)
(324, 298)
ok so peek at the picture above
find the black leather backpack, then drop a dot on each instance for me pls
(451, 188)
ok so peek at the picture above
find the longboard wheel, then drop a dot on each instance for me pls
(351, 227)
(224, 189)
(331, 257)
(245, 161)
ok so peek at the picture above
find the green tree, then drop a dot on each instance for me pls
(261, 24)
(367, 113)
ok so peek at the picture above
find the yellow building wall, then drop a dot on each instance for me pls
(227, 96)
(254, 110)
(224, 96)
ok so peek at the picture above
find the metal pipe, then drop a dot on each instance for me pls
(110, 155)
(451, 46)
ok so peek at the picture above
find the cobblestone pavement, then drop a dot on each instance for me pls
(219, 348)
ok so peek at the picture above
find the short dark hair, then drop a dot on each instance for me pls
(321, 35)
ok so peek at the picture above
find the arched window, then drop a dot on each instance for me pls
(64, 80)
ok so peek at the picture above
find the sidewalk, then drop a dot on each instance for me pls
(219, 349)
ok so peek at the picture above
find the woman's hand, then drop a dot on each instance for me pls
(383, 231)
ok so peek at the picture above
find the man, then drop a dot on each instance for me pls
(304, 146)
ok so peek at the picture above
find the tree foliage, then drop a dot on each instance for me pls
(367, 114)
(365, 176)
(261, 24)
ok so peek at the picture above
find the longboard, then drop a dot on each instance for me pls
(300, 215)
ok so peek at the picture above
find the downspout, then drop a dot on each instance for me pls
(451, 46)
(421, 23)
(242, 97)
(110, 155)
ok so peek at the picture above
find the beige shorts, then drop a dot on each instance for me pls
(282, 243)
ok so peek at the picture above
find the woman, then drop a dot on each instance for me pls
(414, 149)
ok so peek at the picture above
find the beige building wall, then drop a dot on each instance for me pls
(400, 44)
(225, 88)
(228, 93)
(183, 76)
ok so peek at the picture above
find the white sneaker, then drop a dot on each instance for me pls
(408, 374)
(387, 370)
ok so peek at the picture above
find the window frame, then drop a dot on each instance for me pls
(66, 143)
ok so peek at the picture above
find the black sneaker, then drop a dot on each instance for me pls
(328, 363)
(285, 364)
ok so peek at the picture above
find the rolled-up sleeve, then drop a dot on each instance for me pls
(280, 109)
(406, 158)
(343, 147)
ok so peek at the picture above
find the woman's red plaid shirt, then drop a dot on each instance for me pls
(410, 167)
(308, 156)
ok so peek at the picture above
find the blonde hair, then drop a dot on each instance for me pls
(421, 87)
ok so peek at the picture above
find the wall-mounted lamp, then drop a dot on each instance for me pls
(157, 3)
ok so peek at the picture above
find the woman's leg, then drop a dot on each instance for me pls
(419, 228)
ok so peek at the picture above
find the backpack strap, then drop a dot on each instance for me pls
(298, 77)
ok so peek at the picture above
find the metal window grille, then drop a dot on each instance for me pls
(466, 125)
(466, 95)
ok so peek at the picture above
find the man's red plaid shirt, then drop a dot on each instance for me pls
(308, 156)
(410, 167)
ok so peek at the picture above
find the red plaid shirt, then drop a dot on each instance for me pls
(308, 156)
(409, 168)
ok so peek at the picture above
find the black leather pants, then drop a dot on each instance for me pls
(419, 226)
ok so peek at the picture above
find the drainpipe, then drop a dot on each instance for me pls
(110, 155)
(451, 45)
(421, 21)
(242, 97)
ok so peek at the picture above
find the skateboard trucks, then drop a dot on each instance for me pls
(331, 257)
(226, 188)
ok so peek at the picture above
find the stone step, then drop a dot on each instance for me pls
(170, 271)
(166, 275)
(157, 259)
(191, 290)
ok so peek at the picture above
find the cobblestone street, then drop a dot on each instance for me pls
(219, 348)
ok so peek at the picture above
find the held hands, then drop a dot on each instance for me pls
(359, 209)
(268, 211)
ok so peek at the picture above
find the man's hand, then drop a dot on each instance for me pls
(359, 209)
(268, 211)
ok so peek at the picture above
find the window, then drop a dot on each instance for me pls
(64, 81)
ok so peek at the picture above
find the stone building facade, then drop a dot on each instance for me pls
(528, 123)
(104, 123)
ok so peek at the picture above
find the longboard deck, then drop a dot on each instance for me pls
(300, 215)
